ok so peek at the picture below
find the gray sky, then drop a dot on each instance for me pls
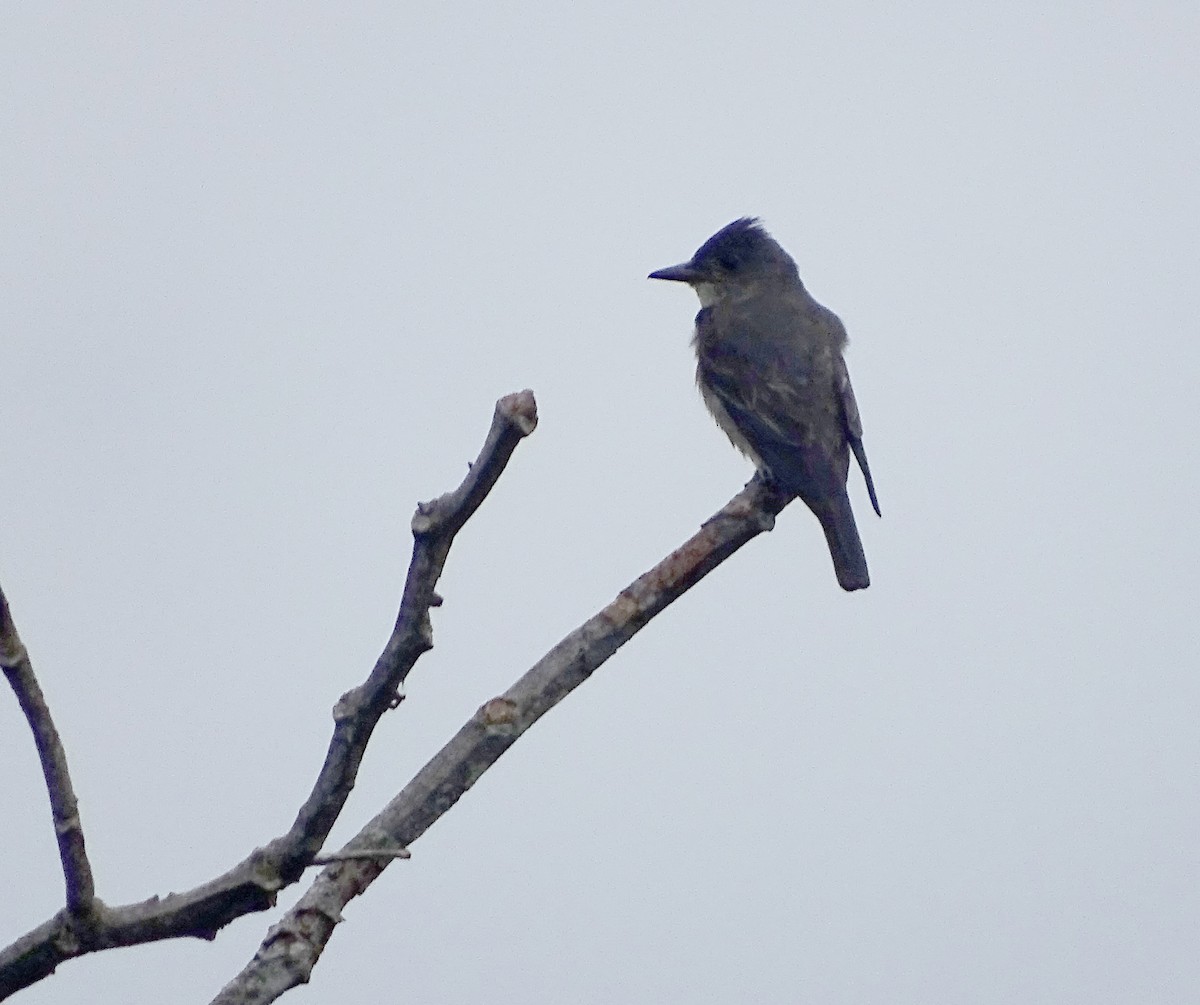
(267, 267)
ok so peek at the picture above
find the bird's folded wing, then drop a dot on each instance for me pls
(767, 405)
(854, 429)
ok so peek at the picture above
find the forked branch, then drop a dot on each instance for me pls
(86, 924)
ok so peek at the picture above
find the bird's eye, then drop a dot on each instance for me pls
(728, 262)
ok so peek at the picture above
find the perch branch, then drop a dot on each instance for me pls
(292, 947)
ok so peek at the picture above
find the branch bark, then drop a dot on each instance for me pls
(292, 947)
(87, 924)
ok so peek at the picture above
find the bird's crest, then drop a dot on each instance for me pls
(741, 243)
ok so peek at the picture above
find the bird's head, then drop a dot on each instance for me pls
(734, 261)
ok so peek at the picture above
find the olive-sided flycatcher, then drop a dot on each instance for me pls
(770, 369)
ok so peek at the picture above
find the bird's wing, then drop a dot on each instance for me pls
(854, 429)
(772, 403)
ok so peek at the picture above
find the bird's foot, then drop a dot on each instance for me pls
(766, 480)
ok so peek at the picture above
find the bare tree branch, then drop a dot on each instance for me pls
(434, 527)
(87, 925)
(292, 947)
(64, 808)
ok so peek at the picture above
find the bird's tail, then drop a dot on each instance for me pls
(845, 546)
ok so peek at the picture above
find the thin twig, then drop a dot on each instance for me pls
(252, 884)
(370, 853)
(64, 808)
(292, 947)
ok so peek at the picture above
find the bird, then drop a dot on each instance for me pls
(770, 368)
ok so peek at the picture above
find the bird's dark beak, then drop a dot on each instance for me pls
(684, 273)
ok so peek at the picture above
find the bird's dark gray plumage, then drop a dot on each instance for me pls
(771, 371)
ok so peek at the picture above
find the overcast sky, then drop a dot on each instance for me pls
(265, 270)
